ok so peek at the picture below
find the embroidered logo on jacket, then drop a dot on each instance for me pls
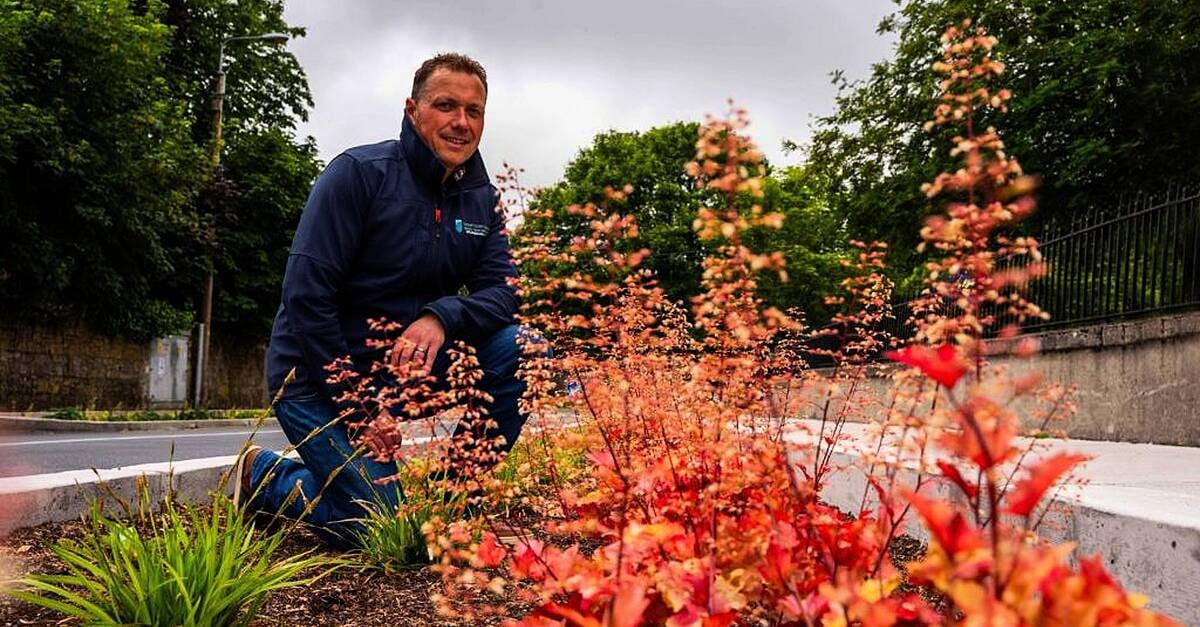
(470, 228)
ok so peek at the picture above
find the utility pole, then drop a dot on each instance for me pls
(204, 332)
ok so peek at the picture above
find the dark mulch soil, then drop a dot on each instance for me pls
(349, 596)
(905, 549)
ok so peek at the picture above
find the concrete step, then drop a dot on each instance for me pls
(1136, 504)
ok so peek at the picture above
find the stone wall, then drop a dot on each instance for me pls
(1136, 381)
(236, 372)
(48, 367)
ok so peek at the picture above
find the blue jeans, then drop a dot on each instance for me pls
(289, 486)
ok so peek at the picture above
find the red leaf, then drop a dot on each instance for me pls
(572, 616)
(724, 619)
(629, 605)
(942, 365)
(526, 562)
(1030, 490)
(950, 471)
(490, 552)
(603, 459)
(949, 527)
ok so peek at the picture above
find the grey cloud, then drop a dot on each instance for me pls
(561, 71)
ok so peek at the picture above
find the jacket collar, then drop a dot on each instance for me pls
(427, 167)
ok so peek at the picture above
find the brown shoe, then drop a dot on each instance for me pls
(241, 474)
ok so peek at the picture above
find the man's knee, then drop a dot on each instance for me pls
(500, 353)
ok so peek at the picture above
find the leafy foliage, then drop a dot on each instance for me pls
(185, 567)
(643, 174)
(103, 160)
(699, 492)
(97, 144)
(269, 174)
(393, 541)
(1104, 89)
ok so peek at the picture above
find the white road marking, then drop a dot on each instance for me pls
(138, 437)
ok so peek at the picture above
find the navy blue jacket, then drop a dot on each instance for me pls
(383, 237)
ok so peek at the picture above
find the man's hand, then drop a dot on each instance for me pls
(381, 443)
(420, 343)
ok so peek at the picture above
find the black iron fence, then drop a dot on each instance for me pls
(1141, 257)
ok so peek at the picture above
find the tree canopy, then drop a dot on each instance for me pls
(106, 192)
(664, 199)
(1104, 95)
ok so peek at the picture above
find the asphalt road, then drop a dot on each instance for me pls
(31, 454)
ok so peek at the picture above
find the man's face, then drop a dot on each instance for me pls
(449, 115)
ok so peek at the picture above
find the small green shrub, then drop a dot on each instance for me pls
(396, 541)
(536, 464)
(67, 413)
(183, 567)
(145, 415)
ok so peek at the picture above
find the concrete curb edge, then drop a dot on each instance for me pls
(56, 497)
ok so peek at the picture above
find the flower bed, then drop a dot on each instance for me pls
(352, 596)
(680, 496)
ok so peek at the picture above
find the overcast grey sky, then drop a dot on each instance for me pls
(559, 71)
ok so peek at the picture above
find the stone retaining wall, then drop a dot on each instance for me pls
(1136, 381)
(49, 367)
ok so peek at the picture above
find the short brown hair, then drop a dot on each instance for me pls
(452, 61)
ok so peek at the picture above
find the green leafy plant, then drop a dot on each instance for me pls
(145, 415)
(67, 413)
(396, 541)
(183, 566)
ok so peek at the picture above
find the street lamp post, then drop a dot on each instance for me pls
(218, 105)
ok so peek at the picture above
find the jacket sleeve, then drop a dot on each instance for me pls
(491, 303)
(324, 245)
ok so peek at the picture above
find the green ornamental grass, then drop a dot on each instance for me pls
(185, 567)
(396, 541)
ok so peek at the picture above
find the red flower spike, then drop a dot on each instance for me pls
(942, 364)
(1030, 490)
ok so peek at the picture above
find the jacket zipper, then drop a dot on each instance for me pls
(437, 214)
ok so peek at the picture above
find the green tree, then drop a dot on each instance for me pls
(812, 239)
(265, 86)
(255, 200)
(1105, 94)
(271, 174)
(106, 193)
(97, 165)
(664, 199)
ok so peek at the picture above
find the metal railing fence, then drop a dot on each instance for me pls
(1139, 258)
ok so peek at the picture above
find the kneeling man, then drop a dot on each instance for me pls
(393, 230)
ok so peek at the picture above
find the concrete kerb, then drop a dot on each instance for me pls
(1149, 534)
(56, 497)
(10, 423)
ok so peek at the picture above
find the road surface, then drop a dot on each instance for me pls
(37, 453)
